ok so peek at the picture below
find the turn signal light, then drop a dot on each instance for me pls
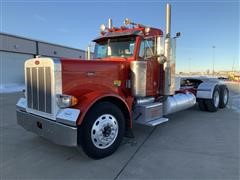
(65, 101)
(74, 101)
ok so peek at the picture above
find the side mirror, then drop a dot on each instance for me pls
(178, 34)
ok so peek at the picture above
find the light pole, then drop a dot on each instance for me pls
(213, 47)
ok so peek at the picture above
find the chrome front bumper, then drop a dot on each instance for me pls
(54, 131)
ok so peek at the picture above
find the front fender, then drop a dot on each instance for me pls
(87, 100)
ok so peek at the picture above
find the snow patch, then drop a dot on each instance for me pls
(9, 88)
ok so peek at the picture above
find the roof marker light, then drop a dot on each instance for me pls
(126, 21)
(102, 28)
(147, 30)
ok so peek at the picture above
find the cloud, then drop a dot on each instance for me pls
(39, 18)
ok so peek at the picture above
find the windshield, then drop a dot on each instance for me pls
(120, 47)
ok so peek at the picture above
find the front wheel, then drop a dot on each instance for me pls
(102, 130)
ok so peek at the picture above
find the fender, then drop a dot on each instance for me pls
(87, 100)
(205, 89)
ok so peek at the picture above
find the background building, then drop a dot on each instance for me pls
(14, 50)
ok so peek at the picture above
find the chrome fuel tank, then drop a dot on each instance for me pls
(178, 102)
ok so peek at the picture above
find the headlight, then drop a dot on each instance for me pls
(64, 101)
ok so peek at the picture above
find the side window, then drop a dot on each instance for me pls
(131, 48)
(141, 51)
(100, 50)
(147, 48)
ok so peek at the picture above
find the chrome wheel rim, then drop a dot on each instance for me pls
(104, 131)
(225, 96)
(216, 99)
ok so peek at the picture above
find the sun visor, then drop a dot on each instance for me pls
(117, 34)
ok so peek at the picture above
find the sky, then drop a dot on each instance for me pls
(203, 24)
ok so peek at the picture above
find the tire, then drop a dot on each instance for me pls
(202, 105)
(224, 96)
(102, 130)
(212, 105)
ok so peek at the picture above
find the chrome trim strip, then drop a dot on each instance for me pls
(45, 89)
(38, 88)
(58, 75)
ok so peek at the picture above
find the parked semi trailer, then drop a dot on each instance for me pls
(93, 103)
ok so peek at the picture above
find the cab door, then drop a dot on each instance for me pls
(147, 52)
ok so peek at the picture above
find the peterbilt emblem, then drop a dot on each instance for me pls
(37, 62)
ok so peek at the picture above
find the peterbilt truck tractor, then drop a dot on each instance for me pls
(94, 103)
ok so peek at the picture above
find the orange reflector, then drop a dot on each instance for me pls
(74, 101)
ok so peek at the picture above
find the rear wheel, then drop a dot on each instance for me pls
(102, 130)
(224, 96)
(202, 105)
(213, 104)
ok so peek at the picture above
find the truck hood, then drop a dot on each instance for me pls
(82, 76)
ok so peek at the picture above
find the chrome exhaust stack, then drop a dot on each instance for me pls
(168, 20)
(110, 25)
(88, 53)
(169, 53)
(174, 102)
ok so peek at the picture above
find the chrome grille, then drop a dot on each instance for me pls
(39, 94)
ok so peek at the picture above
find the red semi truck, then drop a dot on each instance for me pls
(93, 103)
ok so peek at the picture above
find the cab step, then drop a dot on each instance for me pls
(156, 121)
(150, 114)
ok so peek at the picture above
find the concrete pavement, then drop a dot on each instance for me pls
(193, 144)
